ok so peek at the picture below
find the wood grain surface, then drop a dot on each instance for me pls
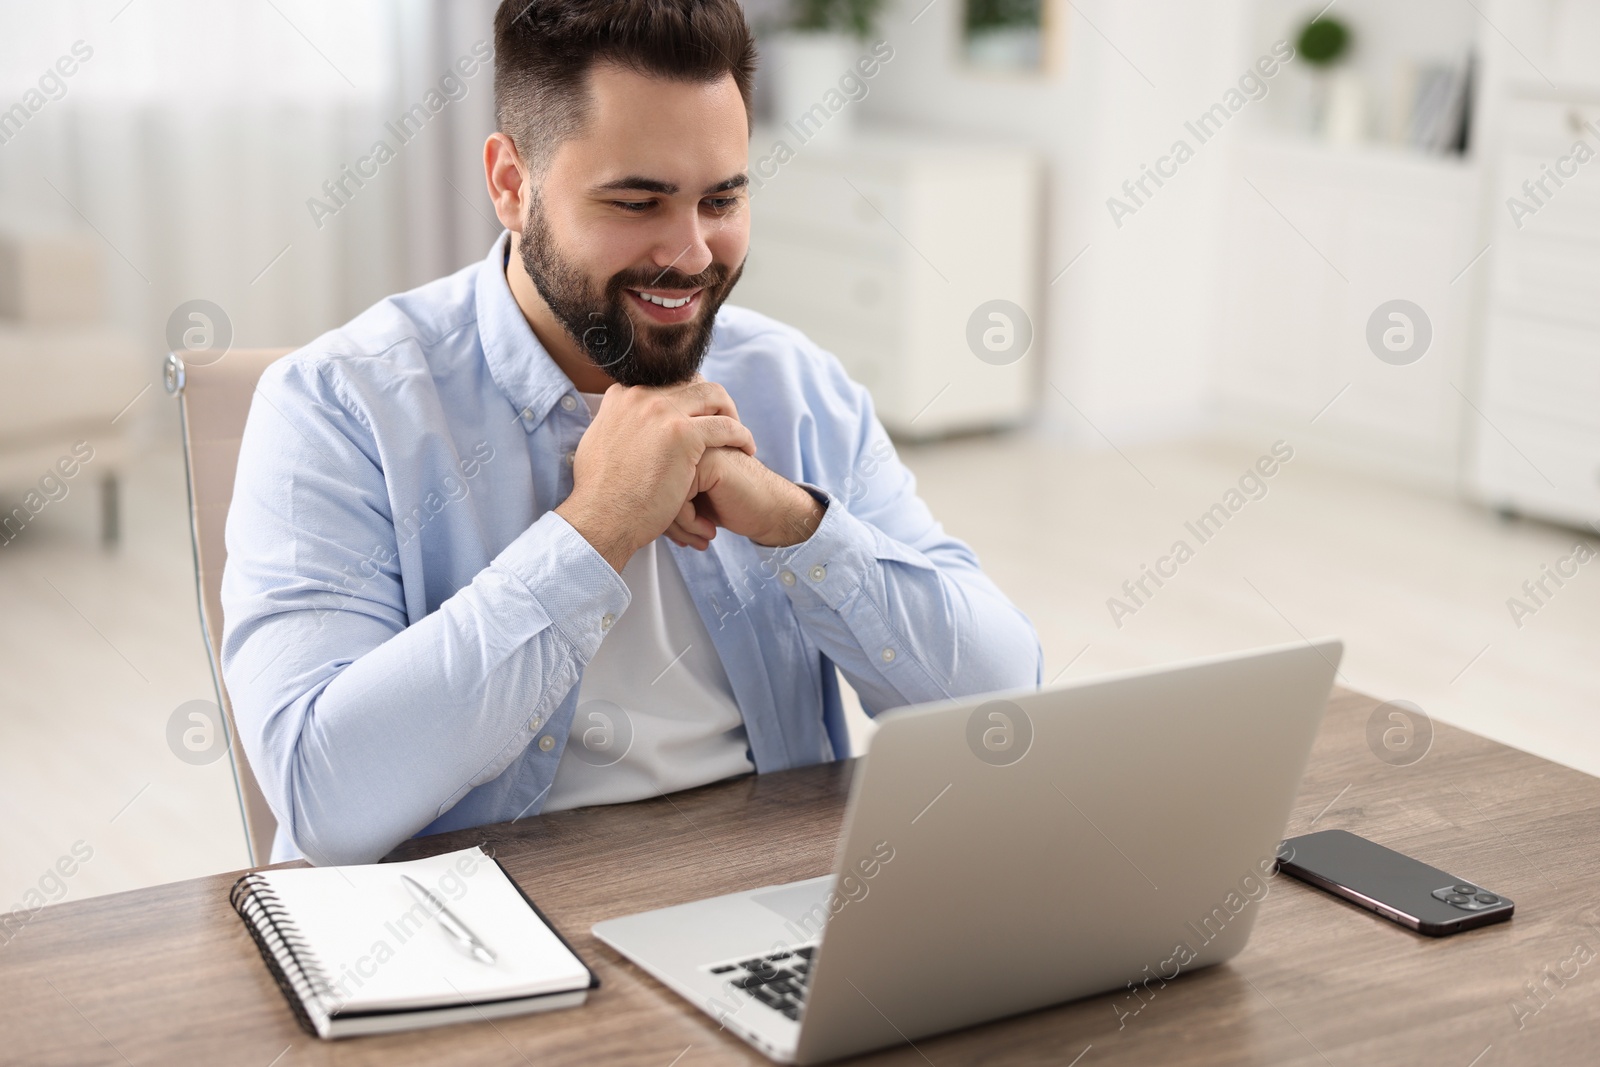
(168, 975)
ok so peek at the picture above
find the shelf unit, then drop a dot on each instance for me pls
(1319, 237)
(1536, 449)
(881, 246)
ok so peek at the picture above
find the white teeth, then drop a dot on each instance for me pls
(663, 301)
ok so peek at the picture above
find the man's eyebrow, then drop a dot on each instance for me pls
(656, 185)
(643, 184)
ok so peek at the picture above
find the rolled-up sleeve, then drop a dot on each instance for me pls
(361, 723)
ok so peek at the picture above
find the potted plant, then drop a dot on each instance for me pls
(1340, 103)
(1005, 35)
(816, 53)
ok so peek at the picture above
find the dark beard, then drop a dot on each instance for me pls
(600, 323)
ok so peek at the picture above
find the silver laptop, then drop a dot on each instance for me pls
(1013, 851)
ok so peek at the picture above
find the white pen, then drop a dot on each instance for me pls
(468, 941)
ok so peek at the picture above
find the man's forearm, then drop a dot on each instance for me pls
(362, 734)
(906, 626)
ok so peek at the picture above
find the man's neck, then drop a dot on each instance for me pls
(566, 352)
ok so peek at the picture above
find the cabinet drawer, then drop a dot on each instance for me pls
(820, 202)
(804, 286)
(1551, 278)
(1549, 127)
(1569, 212)
(850, 305)
(1543, 370)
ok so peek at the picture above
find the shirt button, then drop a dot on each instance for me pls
(786, 577)
(569, 402)
(818, 573)
(606, 620)
(888, 655)
(527, 414)
(536, 722)
(569, 458)
(546, 743)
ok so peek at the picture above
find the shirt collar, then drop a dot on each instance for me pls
(519, 364)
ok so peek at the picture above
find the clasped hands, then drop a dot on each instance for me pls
(676, 460)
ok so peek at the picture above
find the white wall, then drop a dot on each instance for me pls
(1125, 329)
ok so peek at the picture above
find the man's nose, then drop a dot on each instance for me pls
(682, 245)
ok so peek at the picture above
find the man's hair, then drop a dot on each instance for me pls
(544, 50)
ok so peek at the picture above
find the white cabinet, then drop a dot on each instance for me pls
(1319, 238)
(1537, 447)
(882, 247)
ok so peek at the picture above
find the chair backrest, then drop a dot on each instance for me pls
(214, 401)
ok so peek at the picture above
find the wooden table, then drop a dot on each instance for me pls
(168, 975)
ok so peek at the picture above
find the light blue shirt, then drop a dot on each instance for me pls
(407, 619)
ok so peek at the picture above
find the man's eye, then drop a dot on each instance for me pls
(633, 206)
(721, 203)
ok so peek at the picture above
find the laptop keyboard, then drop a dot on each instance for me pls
(777, 980)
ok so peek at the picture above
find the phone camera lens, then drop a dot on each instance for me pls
(1465, 889)
(1456, 898)
(1487, 898)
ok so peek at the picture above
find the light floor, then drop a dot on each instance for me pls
(97, 650)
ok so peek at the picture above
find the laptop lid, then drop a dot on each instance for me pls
(1019, 850)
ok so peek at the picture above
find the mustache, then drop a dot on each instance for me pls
(668, 278)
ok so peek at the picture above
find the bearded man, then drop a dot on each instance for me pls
(563, 528)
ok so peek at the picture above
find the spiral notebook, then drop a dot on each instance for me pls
(355, 953)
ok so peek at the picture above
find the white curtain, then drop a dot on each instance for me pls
(195, 133)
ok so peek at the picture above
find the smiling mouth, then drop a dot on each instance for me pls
(663, 300)
(667, 305)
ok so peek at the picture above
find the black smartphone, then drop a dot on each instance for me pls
(1397, 887)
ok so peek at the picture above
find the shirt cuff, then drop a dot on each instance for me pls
(833, 562)
(578, 590)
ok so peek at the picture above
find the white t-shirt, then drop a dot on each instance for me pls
(656, 712)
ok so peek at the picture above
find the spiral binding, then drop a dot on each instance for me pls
(288, 956)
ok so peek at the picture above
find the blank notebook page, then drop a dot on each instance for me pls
(382, 950)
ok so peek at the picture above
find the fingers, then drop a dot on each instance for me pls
(721, 431)
(694, 397)
(700, 397)
(687, 538)
(691, 521)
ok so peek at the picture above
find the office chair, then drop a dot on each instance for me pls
(213, 401)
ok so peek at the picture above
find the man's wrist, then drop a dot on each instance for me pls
(801, 514)
(603, 536)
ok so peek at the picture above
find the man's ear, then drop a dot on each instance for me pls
(506, 177)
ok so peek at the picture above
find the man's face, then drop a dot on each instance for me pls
(639, 229)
